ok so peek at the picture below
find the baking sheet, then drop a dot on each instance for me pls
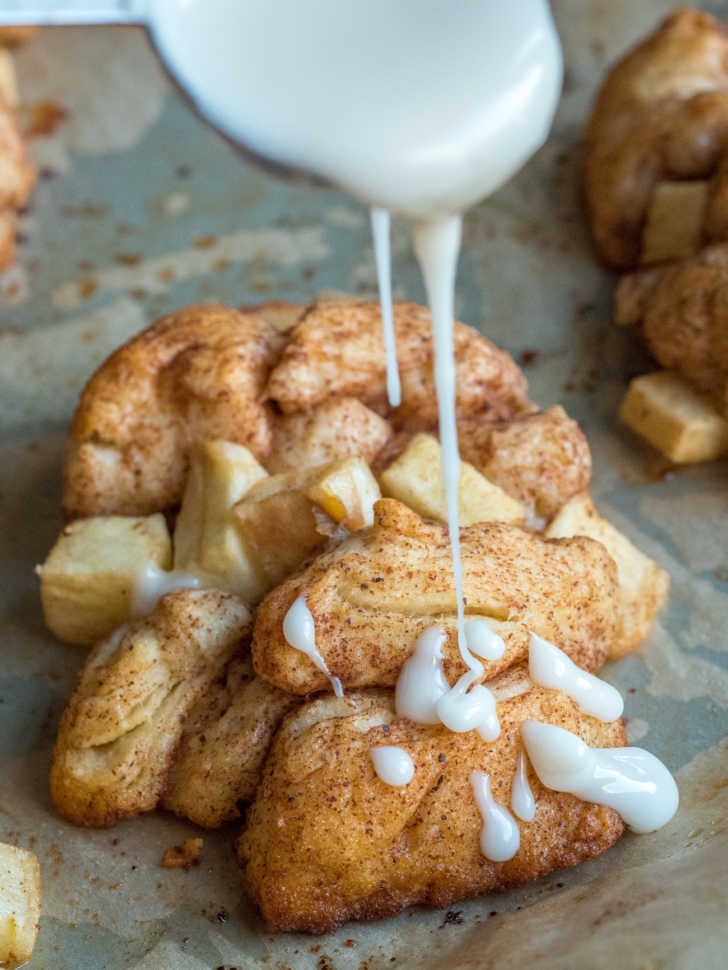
(141, 209)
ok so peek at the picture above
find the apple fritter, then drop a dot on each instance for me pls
(541, 459)
(194, 374)
(683, 313)
(337, 350)
(117, 737)
(337, 428)
(227, 735)
(17, 177)
(661, 114)
(376, 592)
(327, 841)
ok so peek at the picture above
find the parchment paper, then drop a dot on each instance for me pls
(141, 209)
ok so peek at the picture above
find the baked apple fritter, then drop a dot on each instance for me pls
(661, 114)
(118, 735)
(375, 593)
(327, 841)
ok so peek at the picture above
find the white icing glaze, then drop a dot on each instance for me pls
(631, 780)
(421, 682)
(393, 765)
(382, 258)
(152, 583)
(522, 800)
(483, 641)
(437, 245)
(373, 98)
(499, 838)
(550, 667)
(300, 632)
(424, 695)
(462, 710)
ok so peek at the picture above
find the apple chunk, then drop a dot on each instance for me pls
(206, 539)
(415, 479)
(286, 518)
(88, 580)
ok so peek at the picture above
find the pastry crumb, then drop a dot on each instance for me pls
(183, 856)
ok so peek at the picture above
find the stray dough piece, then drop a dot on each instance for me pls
(195, 374)
(337, 350)
(327, 841)
(118, 735)
(227, 736)
(661, 114)
(375, 593)
(339, 428)
(541, 459)
(87, 581)
(674, 227)
(643, 586)
(20, 897)
(415, 478)
(677, 420)
(183, 856)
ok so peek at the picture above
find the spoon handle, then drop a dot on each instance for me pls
(65, 12)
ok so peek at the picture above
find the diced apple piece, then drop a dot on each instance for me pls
(674, 227)
(206, 537)
(643, 585)
(279, 529)
(677, 420)
(415, 479)
(19, 905)
(88, 580)
(346, 490)
(286, 518)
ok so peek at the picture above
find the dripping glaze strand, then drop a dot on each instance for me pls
(300, 632)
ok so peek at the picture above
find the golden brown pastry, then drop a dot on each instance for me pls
(118, 735)
(226, 738)
(661, 114)
(17, 176)
(336, 428)
(327, 841)
(197, 373)
(212, 372)
(375, 593)
(337, 350)
(541, 459)
(682, 310)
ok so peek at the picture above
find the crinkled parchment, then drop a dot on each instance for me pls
(140, 209)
